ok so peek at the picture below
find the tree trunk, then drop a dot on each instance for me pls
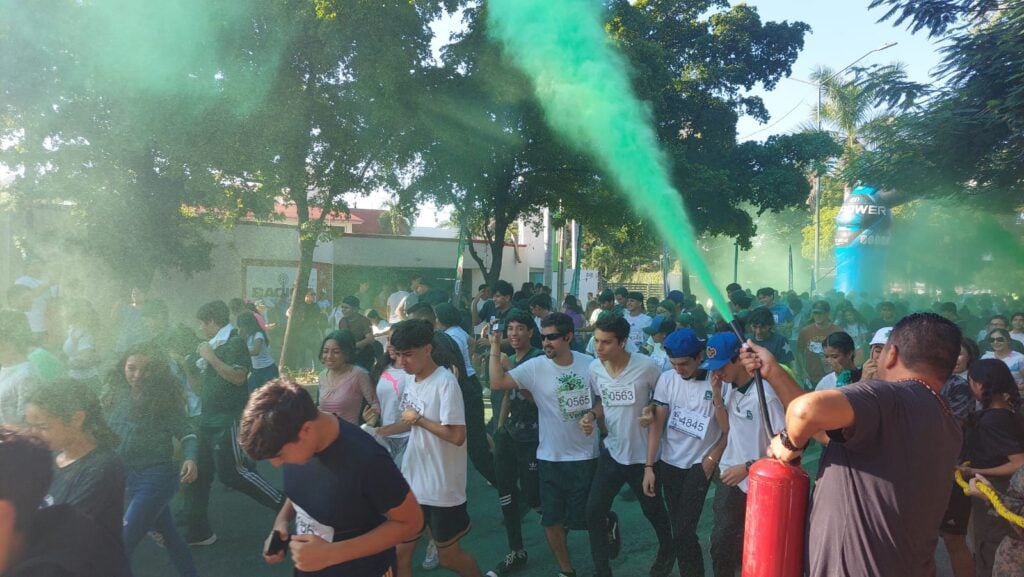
(291, 344)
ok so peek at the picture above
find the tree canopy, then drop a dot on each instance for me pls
(964, 138)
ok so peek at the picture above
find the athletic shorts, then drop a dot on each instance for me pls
(958, 513)
(447, 524)
(564, 488)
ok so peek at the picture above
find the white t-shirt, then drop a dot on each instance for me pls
(461, 338)
(828, 382)
(630, 347)
(637, 324)
(659, 356)
(77, 342)
(623, 399)
(747, 439)
(1015, 361)
(393, 301)
(390, 387)
(37, 314)
(691, 428)
(15, 382)
(264, 359)
(562, 397)
(437, 470)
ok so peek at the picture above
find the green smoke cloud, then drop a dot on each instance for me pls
(581, 82)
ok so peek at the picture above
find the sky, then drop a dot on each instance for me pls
(841, 32)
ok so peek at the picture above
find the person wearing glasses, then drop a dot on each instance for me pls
(566, 455)
(999, 341)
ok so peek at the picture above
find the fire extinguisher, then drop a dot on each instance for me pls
(773, 540)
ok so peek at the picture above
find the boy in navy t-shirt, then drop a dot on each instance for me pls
(349, 503)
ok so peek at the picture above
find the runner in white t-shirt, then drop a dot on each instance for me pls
(432, 406)
(636, 317)
(566, 455)
(690, 427)
(623, 384)
(746, 443)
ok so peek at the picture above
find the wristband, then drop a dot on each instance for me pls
(787, 443)
(648, 466)
(417, 419)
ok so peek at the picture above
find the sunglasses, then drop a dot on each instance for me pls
(997, 340)
(552, 336)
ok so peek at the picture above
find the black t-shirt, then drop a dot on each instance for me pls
(884, 485)
(62, 542)
(94, 485)
(223, 401)
(522, 422)
(349, 486)
(993, 434)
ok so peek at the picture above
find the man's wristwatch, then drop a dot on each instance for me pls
(787, 443)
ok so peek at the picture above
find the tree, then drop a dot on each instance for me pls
(496, 161)
(964, 139)
(397, 217)
(291, 101)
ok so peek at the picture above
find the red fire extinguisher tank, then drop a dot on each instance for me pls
(773, 543)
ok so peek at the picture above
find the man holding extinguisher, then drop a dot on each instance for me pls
(884, 479)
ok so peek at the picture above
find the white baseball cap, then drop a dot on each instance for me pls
(881, 336)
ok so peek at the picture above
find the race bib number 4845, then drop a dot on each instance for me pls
(689, 423)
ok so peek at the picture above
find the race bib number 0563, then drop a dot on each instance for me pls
(618, 395)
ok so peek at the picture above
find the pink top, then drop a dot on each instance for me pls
(343, 396)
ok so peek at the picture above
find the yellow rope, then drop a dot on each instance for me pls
(993, 497)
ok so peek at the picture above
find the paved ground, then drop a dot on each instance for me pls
(241, 526)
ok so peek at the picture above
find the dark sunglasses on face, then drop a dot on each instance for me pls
(552, 336)
(997, 340)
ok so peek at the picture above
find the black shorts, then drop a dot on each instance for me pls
(958, 513)
(564, 488)
(447, 524)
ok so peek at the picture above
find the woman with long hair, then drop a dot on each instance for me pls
(263, 366)
(840, 351)
(995, 449)
(999, 341)
(571, 307)
(390, 388)
(344, 385)
(958, 394)
(146, 408)
(66, 414)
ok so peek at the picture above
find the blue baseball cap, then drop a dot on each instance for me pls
(682, 343)
(659, 324)
(722, 347)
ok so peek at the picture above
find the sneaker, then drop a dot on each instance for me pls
(614, 536)
(566, 574)
(512, 562)
(431, 561)
(208, 540)
(157, 538)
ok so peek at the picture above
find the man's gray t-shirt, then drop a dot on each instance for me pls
(883, 486)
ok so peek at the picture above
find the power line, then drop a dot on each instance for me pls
(783, 117)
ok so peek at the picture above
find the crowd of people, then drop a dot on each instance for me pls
(622, 398)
